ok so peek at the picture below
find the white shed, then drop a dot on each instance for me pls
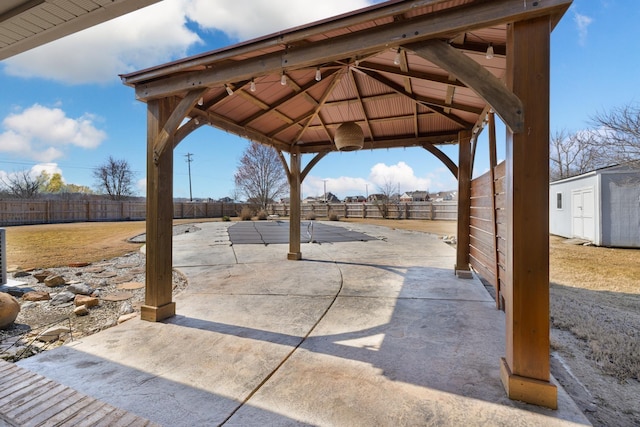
(602, 206)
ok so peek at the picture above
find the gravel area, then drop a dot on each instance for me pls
(118, 285)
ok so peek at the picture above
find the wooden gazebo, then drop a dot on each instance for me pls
(407, 73)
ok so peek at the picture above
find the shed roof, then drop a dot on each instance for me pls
(409, 73)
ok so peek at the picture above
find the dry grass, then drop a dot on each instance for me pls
(440, 228)
(595, 294)
(56, 245)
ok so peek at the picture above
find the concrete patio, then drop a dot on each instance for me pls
(358, 333)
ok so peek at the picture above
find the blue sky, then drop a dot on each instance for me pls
(63, 107)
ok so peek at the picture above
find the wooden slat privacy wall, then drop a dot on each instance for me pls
(488, 229)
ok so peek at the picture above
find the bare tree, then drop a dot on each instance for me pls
(574, 154)
(23, 184)
(384, 201)
(114, 178)
(260, 175)
(620, 132)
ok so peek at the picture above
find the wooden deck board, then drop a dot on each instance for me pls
(29, 399)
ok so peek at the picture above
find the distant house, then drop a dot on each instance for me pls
(415, 196)
(444, 196)
(601, 206)
(376, 197)
(310, 200)
(355, 199)
(328, 198)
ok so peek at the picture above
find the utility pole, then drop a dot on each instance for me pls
(189, 160)
(325, 190)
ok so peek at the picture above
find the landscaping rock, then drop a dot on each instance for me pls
(54, 280)
(62, 298)
(80, 289)
(126, 317)
(81, 310)
(9, 309)
(86, 301)
(36, 296)
(19, 274)
(126, 308)
(53, 333)
(42, 275)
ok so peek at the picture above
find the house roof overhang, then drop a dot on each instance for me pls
(26, 24)
(410, 73)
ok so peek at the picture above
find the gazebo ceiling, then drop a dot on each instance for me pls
(409, 73)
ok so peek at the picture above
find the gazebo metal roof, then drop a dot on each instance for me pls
(409, 73)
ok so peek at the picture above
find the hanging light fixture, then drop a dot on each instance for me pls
(253, 85)
(489, 54)
(283, 79)
(349, 137)
(228, 89)
(397, 58)
(318, 74)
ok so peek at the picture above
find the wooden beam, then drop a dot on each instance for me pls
(443, 158)
(400, 142)
(434, 105)
(295, 214)
(285, 166)
(186, 104)
(358, 90)
(525, 369)
(476, 77)
(436, 78)
(158, 303)
(441, 24)
(493, 162)
(311, 164)
(244, 132)
(335, 79)
(302, 90)
(462, 268)
(186, 129)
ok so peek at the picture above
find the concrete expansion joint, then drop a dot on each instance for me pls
(288, 356)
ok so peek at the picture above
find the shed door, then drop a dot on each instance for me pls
(582, 207)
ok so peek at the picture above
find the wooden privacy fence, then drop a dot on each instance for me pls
(26, 212)
(488, 231)
(393, 210)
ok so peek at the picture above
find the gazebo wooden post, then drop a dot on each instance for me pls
(294, 217)
(525, 369)
(158, 303)
(462, 268)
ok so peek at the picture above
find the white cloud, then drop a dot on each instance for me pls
(342, 187)
(244, 20)
(33, 173)
(141, 185)
(159, 33)
(141, 39)
(49, 168)
(399, 176)
(396, 176)
(43, 134)
(582, 23)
